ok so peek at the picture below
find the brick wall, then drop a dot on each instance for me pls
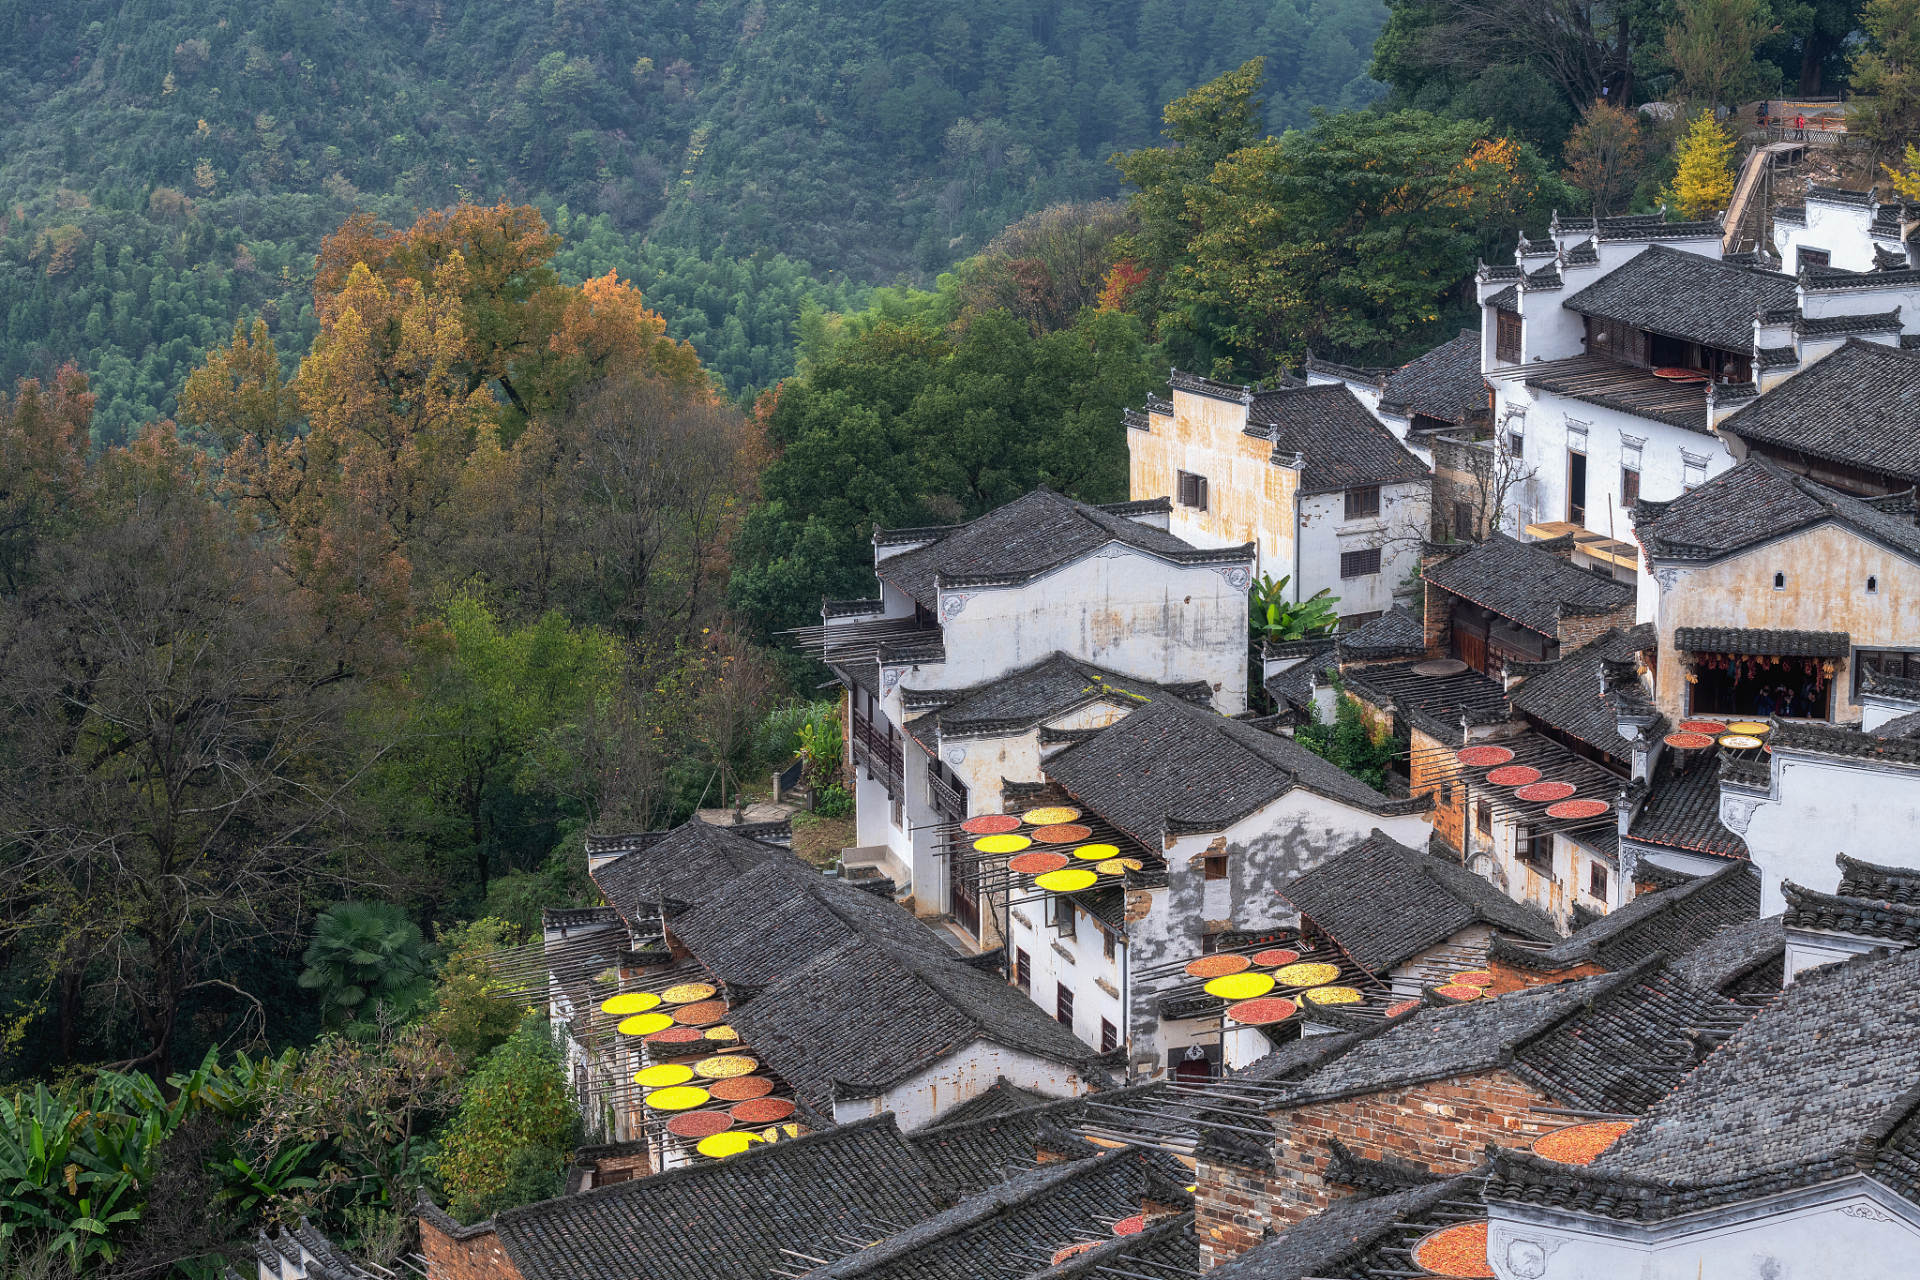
(1440, 1127)
(1432, 764)
(454, 1252)
(1439, 613)
(1576, 630)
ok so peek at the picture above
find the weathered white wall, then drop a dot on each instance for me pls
(1827, 568)
(1325, 532)
(1817, 806)
(1840, 229)
(1856, 1230)
(1078, 963)
(965, 1074)
(1119, 608)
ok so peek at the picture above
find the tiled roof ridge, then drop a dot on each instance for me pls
(883, 537)
(1859, 917)
(1606, 987)
(1025, 1112)
(1092, 1261)
(971, 1212)
(1233, 393)
(1905, 881)
(715, 1168)
(1896, 687)
(1842, 741)
(1135, 507)
(1841, 195)
(1347, 1166)
(1358, 373)
(1576, 949)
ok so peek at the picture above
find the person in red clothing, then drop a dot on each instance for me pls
(1800, 128)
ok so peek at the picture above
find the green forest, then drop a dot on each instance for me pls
(419, 432)
(171, 166)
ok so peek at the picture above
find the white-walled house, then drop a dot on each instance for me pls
(963, 606)
(1228, 813)
(1327, 495)
(1440, 392)
(1789, 1151)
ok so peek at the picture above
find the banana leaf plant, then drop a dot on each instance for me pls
(1274, 617)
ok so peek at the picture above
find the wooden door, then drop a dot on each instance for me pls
(1471, 650)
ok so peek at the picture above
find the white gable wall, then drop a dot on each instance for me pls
(962, 1075)
(1817, 806)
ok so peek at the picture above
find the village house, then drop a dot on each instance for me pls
(1439, 393)
(1432, 1088)
(1408, 917)
(1326, 494)
(964, 606)
(1846, 420)
(1774, 595)
(1791, 1150)
(1840, 231)
(1222, 812)
(795, 957)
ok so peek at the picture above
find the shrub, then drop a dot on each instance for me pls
(833, 802)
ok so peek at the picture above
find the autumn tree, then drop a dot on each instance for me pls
(43, 451)
(1604, 154)
(1703, 180)
(240, 393)
(1049, 266)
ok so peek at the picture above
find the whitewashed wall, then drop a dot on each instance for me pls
(1839, 229)
(1399, 529)
(1817, 806)
(965, 1074)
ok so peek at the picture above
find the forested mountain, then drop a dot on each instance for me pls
(170, 164)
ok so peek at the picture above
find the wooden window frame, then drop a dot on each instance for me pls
(1508, 336)
(1359, 564)
(1191, 489)
(1022, 969)
(1063, 1004)
(1597, 881)
(1363, 502)
(1109, 1036)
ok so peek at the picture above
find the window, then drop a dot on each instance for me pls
(1063, 915)
(1023, 970)
(897, 814)
(1516, 444)
(1887, 662)
(1109, 1036)
(1214, 866)
(1355, 621)
(1446, 793)
(1363, 502)
(1813, 258)
(1873, 585)
(1106, 943)
(1693, 470)
(1779, 582)
(1063, 1004)
(1360, 564)
(1483, 818)
(1506, 336)
(1193, 490)
(1534, 850)
(1597, 880)
(1629, 486)
(1463, 522)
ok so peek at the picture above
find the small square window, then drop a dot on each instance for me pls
(1064, 916)
(1360, 564)
(1446, 793)
(1483, 818)
(1106, 942)
(1873, 585)
(1779, 582)
(1215, 866)
(1192, 490)
(1516, 445)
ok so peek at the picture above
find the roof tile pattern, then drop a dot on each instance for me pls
(1685, 295)
(727, 1220)
(1671, 922)
(1053, 686)
(1683, 812)
(1343, 1238)
(1445, 383)
(1384, 903)
(1569, 694)
(1341, 444)
(1171, 763)
(1027, 537)
(1757, 501)
(688, 864)
(1436, 705)
(1530, 586)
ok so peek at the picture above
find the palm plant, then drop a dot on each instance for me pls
(1275, 618)
(366, 954)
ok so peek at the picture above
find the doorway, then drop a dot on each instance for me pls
(1576, 487)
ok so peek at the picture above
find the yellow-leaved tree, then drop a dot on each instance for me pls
(1703, 183)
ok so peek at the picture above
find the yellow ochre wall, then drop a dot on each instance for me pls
(1827, 569)
(1249, 499)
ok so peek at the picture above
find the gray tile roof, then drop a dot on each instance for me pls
(689, 864)
(974, 1153)
(1397, 633)
(1170, 765)
(1856, 406)
(1341, 444)
(1796, 644)
(1721, 962)
(1042, 690)
(1672, 922)
(1628, 388)
(1569, 694)
(1526, 584)
(994, 1235)
(1294, 686)
(1818, 1087)
(1167, 1246)
(1444, 383)
(1383, 903)
(1508, 299)
(728, 1219)
(1685, 295)
(1346, 1237)
(1872, 880)
(850, 993)
(1463, 1040)
(1436, 705)
(1858, 917)
(1683, 812)
(996, 1100)
(1841, 742)
(1025, 538)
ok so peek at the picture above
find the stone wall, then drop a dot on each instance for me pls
(1578, 629)
(1440, 1127)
